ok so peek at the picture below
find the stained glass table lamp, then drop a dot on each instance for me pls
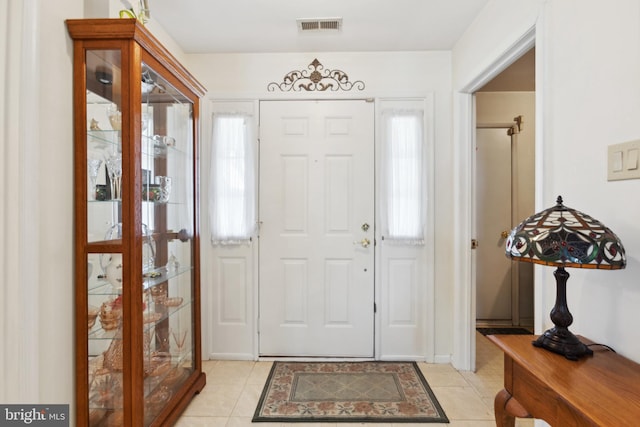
(564, 237)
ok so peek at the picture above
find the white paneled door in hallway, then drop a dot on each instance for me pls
(494, 178)
(316, 247)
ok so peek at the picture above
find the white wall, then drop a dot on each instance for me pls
(37, 226)
(385, 74)
(496, 29)
(592, 101)
(588, 63)
(55, 193)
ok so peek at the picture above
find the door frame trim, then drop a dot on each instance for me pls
(464, 310)
(432, 318)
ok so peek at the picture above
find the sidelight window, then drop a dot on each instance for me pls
(232, 180)
(403, 176)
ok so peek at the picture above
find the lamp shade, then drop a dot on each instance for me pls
(564, 237)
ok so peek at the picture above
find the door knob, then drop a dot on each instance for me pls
(504, 234)
(364, 242)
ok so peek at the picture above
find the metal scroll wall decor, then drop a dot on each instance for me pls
(315, 78)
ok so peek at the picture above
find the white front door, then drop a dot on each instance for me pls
(316, 239)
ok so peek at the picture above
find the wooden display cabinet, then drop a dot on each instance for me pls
(138, 353)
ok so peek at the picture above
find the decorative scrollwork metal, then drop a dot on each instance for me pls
(315, 78)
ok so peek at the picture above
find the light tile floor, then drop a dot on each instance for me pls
(234, 387)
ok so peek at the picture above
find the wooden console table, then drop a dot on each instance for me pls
(600, 390)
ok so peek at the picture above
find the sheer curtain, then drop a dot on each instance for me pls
(180, 126)
(403, 177)
(232, 186)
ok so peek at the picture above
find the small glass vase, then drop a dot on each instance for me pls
(93, 166)
(164, 183)
(114, 167)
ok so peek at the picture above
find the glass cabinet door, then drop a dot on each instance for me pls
(105, 259)
(168, 218)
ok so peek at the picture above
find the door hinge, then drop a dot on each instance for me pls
(474, 243)
(375, 308)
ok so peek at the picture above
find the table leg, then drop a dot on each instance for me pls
(507, 408)
(503, 418)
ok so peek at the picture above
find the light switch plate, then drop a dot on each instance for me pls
(622, 161)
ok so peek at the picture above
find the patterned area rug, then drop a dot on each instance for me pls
(348, 392)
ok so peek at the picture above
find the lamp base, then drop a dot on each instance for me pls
(560, 340)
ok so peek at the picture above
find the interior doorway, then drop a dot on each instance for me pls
(464, 353)
(504, 193)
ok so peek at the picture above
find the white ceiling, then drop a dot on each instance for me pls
(252, 26)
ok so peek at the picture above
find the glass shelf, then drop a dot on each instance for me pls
(98, 333)
(161, 275)
(100, 286)
(155, 147)
(106, 137)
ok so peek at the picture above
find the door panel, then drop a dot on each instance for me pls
(316, 286)
(229, 271)
(493, 192)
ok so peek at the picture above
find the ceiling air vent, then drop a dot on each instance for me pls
(317, 24)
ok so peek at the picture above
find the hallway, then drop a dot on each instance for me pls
(234, 387)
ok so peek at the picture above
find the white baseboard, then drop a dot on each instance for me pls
(231, 356)
(442, 359)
